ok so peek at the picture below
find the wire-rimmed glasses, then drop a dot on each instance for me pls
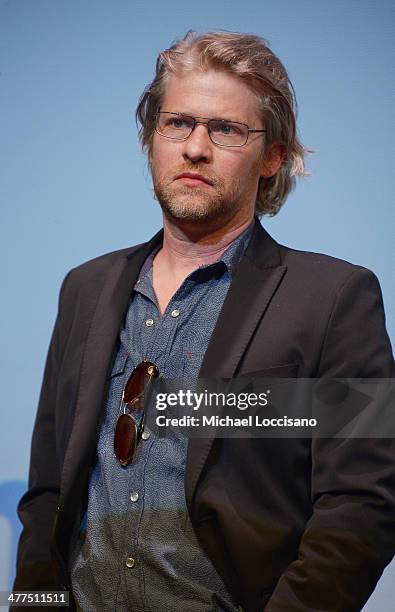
(222, 132)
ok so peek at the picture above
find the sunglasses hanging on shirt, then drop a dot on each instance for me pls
(128, 430)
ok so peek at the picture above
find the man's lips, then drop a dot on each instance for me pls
(192, 178)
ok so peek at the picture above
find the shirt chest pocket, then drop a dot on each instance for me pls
(118, 364)
(115, 383)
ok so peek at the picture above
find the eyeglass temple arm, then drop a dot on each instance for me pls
(140, 428)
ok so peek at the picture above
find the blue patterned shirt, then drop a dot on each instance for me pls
(137, 549)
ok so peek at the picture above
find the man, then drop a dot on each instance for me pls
(279, 525)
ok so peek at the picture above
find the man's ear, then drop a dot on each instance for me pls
(274, 157)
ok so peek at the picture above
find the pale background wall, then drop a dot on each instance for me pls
(75, 185)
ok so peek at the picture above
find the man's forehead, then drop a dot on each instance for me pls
(209, 93)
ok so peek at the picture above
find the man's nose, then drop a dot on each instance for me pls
(198, 147)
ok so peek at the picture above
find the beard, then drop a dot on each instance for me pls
(194, 204)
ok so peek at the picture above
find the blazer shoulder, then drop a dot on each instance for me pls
(105, 261)
(322, 268)
(312, 258)
(304, 268)
(87, 278)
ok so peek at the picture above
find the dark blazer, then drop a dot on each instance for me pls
(291, 525)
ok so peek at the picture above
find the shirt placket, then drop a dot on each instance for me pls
(153, 338)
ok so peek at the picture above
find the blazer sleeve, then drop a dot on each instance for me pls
(38, 506)
(350, 536)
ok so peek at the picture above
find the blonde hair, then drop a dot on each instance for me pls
(249, 58)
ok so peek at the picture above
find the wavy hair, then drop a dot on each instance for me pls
(249, 58)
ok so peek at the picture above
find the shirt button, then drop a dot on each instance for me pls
(149, 322)
(134, 497)
(146, 434)
(130, 562)
(175, 312)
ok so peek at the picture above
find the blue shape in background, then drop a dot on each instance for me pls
(10, 494)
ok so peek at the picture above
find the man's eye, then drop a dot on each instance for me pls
(225, 129)
(178, 123)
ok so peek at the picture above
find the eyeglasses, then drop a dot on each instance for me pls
(221, 132)
(128, 431)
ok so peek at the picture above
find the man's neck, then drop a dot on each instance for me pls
(186, 247)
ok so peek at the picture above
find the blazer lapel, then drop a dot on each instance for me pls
(102, 337)
(256, 279)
